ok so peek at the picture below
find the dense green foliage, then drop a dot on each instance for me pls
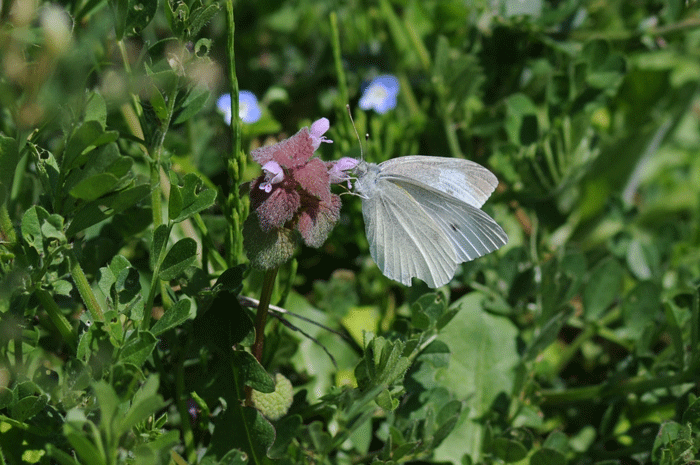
(127, 310)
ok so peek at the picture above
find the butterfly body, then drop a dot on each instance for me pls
(422, 216)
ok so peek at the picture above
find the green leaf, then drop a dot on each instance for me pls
(87, 136)
(641, 306)
(547, 457)
(9, 157)
(180, 256)
(139, 14)
(602, 288)
(175, 200)
(509, 450)
(138, 348)
(193, 200)
(95, 186)
(286, 430)
(254, 375)
(38, 226)
(99, 210)
(195, 101)
(172, 317)
(96, 108)
(109, 404)
(5, 397)
(28, 407)
(486, 354)
(145, 402)
(120, 10)
(158, 243)
(200, 16)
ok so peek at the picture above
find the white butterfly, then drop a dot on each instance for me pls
(422, 216)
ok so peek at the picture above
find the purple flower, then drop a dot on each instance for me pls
(273, 175)
(381, 94)
(248, 109)
(337, 170)
(292, 196)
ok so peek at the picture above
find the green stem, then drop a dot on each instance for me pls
(261, 316)
(84, 289)
(337, 58)
(632, 385)
(155, 282)
(207, 240)
(235, 207)
(57, 317)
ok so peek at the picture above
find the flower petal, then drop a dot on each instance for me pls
(318, 128)
(276, 208)
(317, 221)
(314, 179)
(291, 152)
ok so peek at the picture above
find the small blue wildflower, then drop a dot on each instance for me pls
(248, 108)
(381, 94)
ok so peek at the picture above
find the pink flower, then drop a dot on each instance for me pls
(337, 170)
(292, 195)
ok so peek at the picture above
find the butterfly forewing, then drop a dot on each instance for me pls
(472, 232)
(462, 179)
(404, 240)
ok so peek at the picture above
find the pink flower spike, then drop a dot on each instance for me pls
(318, 128)
(273, 175)
(337, 170)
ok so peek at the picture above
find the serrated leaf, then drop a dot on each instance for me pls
(194, 102)
(192, 200)
(138, 348)
(158, 243)
(181, 255)
(139, 14)
(200, 17)
(172, 317)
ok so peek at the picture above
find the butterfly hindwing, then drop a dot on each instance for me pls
(404, 240)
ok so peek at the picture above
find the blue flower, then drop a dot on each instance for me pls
(381, 94)
(248, 109)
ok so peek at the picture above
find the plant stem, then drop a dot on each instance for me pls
(57, 317)
(261, 316)
(84, 289)
(235, 207)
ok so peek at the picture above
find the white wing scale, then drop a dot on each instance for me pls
(404, 240)
(422, 216)
(463, 179)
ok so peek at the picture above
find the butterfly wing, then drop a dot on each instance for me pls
(404, 240)
(472, 232)
(462, 179)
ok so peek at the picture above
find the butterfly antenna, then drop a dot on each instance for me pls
(362, 155)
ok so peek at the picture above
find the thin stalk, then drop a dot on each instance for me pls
(155, 282)
(60, 321)
(84, 289)
(337, 58)
(235, 207)
(261, 316)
